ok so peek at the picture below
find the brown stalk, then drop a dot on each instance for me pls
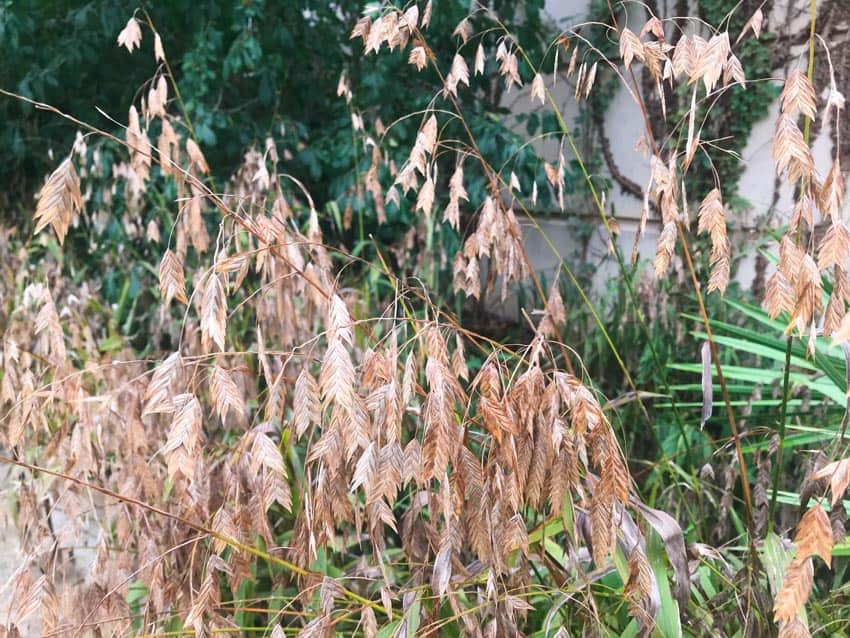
(733, 425)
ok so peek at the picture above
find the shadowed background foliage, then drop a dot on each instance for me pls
(246, 70)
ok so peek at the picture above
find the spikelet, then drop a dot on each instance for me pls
(798, 95)
(838, 474)
(207, 598)
(266, 457)
(684, 54)
(630, 47)
(814, 535)
(158, 394)
(213, 313)
(508, 66)
(538, 89)
(361, 29)
(835, 246)
(711, 60)
(59, 200)
(457, 192)
(426, 15)
(168, 146)
(664, 251)
(182, 448)
(410, 18)
(459, 74)
(418, 58)
(131, 35)
(157, 98)
(813, 538)
(638, 588)
(463, 30)
(712, 220)
(831, 194)
(835, 308)
(425, 197)
(720, 273)
(790, 151)
(794, 629)
(752, 25)
(158, 51)
(196, 157)
(795, 590)
(140, 146)
(307, 404)
(479, 59)
(172, 283)
(49, 329)
(225, 395)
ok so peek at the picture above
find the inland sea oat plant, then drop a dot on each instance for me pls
(282, 447)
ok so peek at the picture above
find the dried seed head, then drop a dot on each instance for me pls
(59, 200)
(131, 35)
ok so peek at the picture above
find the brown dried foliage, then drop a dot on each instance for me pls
(399, 442)
(340, 434)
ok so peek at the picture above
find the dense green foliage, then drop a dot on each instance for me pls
(246, 70)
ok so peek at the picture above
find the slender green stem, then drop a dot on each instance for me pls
(173, 80)
(624, 271)
(626, 274)
(783, 413)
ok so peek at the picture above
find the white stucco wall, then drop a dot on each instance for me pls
(624, 125)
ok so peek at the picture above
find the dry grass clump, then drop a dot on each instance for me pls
(470, 495)
(328, 430)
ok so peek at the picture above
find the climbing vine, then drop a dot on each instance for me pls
(727, 119)
(731, 119)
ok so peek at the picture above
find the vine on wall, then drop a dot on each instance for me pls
(739, 109)
(727, 119)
